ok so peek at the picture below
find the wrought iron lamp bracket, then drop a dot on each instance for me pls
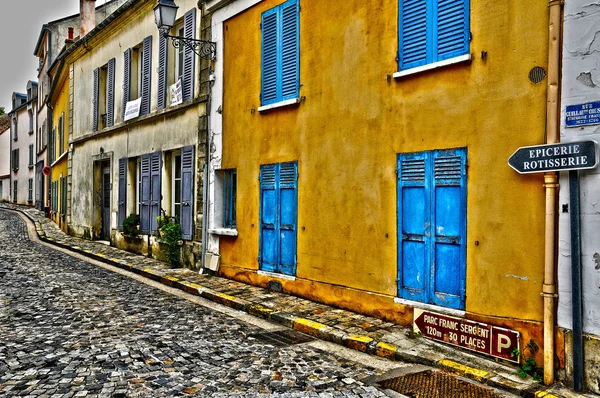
(203, 48)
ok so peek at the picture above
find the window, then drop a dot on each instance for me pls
(431, 31)
(229, 198)
(104, 96)
(15, 126)
(44, 133)
(432, 208)
(137, 75)
(30, 113)
(52, 146)
(176, 185)
(30, 190)
(14, 191)
(281, 53)
(31, 156)
(1, 185)
(179, 55)
(15, 159)
(63, 195)
(278, 217)
(61, 134)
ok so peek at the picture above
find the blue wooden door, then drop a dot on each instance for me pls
(278, 217)
(432, 227)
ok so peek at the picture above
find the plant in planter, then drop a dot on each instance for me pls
(131, 225)
(170, 236)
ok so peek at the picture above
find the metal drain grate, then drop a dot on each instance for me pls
(436, 385)
(282, 338)
(537, 74)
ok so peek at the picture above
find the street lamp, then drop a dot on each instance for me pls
(165, 14)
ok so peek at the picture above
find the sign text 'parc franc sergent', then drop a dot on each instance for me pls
(555, 157)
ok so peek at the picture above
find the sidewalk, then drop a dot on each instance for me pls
(359, 332)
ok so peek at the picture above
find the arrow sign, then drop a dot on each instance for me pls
(555, 157)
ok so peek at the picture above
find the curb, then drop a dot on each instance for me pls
(321, 331)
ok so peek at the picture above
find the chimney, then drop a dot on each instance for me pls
(87, 12)
(70, 35)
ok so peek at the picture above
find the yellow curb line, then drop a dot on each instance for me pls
(386, 350)
(544, 394)
(463, 369)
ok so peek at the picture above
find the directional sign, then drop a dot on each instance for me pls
(481, 337)
(555, 157)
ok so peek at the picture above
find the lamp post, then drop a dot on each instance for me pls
(165, 14)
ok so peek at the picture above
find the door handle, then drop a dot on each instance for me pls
(186, 203)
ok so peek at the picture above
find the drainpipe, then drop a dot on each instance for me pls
(551, 184)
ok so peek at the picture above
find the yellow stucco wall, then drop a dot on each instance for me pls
(60, 106)
(353, 121)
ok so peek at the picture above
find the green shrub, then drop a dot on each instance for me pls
(131, 225)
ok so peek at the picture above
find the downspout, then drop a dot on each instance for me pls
(551, 184)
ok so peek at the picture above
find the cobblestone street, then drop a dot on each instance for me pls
(70, 328)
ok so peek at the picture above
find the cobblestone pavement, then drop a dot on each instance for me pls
(71, 329)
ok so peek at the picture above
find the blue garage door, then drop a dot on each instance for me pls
(432, 210)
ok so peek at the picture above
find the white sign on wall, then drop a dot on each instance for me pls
(132, 109)
(176, 93)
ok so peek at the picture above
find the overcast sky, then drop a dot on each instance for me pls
(20, 25)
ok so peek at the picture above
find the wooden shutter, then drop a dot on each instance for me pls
(413, 226)
(162, 73)
(452, 28)
(110, 93)
(155, 189)
(269, 251)
(95, 115)
(187, 192)
(61, 134)
(189, 57)
(126, 78)
(146, 75)
(63, 194)
(270, 51)
(288, 216)
(145, 194)
(290, 50)
(449, 220)
(122, 192)
(414, 33)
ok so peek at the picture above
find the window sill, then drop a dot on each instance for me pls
(429, 307)
(435, 65)
(223, 231)
(277, 275)
(280, 104)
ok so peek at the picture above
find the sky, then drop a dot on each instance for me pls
(20, 25)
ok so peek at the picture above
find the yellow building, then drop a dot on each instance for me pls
(58, 142)
(364, 155)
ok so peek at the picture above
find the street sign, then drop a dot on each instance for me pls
(481, 337)
(555, 157)
(583, 114)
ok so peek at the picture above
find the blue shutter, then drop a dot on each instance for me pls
(96, 99)
(155, 189)
(189, 57)
(126, 77)
(146, 75)
(145, 194)
(270, 52)
(187, 193)
(162, 73)
(122, 191)
(290, 50)
(452, 29)
(288, 216)
(414, 33)
(110, 93)
(413, 226)
(269, 250)
(449, 221)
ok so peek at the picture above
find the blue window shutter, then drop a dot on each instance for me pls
(110, 93)
(187, 193)
(413, 33)
(122, 191)
(270, 50)
(126, 77)
(189, 57)
(145, 194)
(146, 75)
(287, 217)
(96, 99)
(452, 29)
(162, 73)
(290, 50)
(413, 226)
(155, 189)
(449, 221)
(269, 250)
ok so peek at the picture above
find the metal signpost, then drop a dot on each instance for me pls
(571, 156)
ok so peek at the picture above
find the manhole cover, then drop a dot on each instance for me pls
(282, 338)
(436, 385)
